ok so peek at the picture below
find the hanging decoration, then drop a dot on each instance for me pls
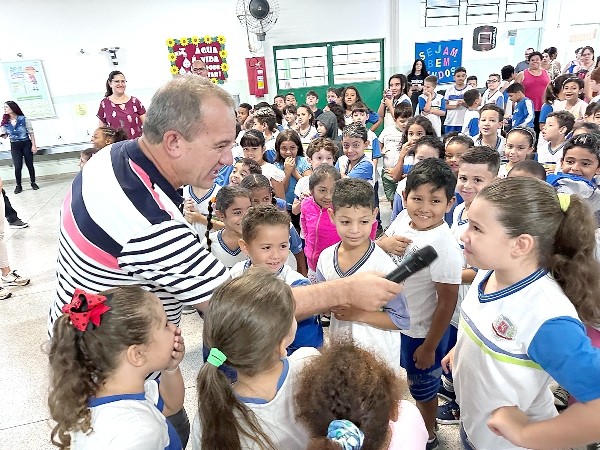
(210, 49)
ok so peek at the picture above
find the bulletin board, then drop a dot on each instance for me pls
(27, 85)
(441, 58)
(210, 49)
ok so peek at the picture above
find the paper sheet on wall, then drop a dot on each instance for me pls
(28, 87)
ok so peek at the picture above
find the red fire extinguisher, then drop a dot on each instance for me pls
(257, 78)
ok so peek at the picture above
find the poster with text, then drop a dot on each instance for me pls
(441, 58)
(210, 49)
(27, 85)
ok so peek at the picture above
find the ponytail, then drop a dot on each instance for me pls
(247, 339)
(209, 224)
(74, 380)
(573, 263)
(218, 405)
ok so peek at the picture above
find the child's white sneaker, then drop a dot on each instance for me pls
(14, 279)
(4, 293)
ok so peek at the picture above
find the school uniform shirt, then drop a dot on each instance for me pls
(578, 110)
(383, 343)
(547, 154)
(201, 205)
(373, 151)
(388, 119)
(128, 422)
(455, 117)
(523, 113)
(271, 172)
(547, 108)
(438, 102)
(277, 417)
(310, 331)
(499, 147)
(459, 226)
(503, 171)
(228, 256)
(495, 98)
(362, 169)
(307, 136)
(270, 153)
(471, 123)
(510, 344)
(419, 289)
(391, 140)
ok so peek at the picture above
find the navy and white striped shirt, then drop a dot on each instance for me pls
(121, 224)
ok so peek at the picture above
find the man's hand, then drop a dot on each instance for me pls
(369, 290)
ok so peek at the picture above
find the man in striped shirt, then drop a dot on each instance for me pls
(122, 221)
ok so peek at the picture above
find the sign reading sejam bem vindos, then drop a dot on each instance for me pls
(441, 58)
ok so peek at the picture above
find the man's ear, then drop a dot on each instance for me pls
(173, 144)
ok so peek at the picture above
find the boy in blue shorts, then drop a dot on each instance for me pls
(353, 212)
(431, 293)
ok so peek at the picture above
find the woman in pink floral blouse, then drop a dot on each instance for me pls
(119, 110)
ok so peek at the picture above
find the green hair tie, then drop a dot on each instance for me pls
(216, 357)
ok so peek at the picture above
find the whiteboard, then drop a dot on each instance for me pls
(27, 86)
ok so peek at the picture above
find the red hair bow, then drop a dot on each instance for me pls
(85, 308)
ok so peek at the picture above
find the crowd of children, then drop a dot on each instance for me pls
(509, 304)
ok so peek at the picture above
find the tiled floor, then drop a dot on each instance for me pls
(32, 251)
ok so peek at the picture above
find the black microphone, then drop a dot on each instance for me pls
(412, 264)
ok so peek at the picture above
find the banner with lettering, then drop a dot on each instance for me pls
(210, 49)
(441, 58)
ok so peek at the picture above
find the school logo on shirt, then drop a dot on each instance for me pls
(504, 328)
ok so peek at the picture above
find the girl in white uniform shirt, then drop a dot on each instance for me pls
(520, 322)
(230, 206)
(102, 350)
(255, 412)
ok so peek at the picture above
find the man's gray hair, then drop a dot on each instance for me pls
(178, 106)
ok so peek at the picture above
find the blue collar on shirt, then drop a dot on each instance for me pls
(97, 401)
(280, 381)
(224, 245)
(206, 196)
(356, 266)
(507, 291)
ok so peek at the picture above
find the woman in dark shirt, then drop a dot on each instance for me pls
(416, 78)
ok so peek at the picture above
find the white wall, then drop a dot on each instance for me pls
(55, 30)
